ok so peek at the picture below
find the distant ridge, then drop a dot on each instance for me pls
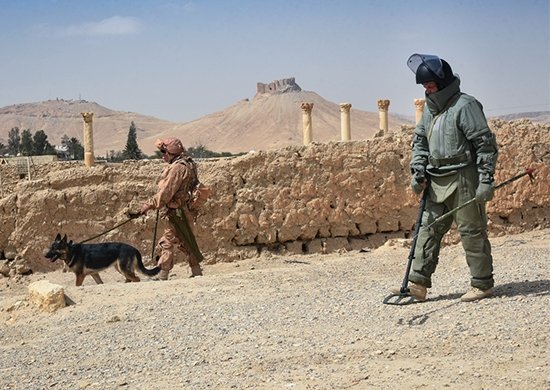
(535, 116)
(271, 119)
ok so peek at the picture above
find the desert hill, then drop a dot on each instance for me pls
(59, 117)
(271, 119)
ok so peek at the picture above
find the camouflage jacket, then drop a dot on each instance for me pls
(175, 184)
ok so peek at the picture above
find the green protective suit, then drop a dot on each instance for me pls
(455, 150)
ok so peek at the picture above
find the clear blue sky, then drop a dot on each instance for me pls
(180, 60)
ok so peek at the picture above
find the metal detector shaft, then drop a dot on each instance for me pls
(404, 297)
(421, 209)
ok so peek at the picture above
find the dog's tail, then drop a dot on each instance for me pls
(142, 269)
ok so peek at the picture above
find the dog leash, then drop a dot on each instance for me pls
(130, 217)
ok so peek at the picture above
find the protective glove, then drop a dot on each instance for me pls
(418, 184)
(485, 192)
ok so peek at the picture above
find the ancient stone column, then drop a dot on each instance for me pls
(383, 106)
(345, 121)
(419, 109)
(88, 139)
(306, 119)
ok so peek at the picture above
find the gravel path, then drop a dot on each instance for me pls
(289, 322)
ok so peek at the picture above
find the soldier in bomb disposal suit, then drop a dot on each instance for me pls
(454, 157)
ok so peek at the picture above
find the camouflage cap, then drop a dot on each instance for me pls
(170, 145)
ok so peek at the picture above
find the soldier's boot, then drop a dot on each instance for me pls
(417, 291)
(163, 274)
(196, 270)
(475, 294)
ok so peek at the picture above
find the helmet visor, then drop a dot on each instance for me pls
(432, 62)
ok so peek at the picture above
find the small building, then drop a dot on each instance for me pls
(25, 164)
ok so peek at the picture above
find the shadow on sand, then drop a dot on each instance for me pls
(532, 288)
(527, 287)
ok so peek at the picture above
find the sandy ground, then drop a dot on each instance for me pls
(288, 322)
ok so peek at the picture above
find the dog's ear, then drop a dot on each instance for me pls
(65, 238)
(58, 237)
(70, 243)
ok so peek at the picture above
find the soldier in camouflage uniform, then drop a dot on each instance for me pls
(453, 157)
(173, 195)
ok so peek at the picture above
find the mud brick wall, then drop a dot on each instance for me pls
(316, 199)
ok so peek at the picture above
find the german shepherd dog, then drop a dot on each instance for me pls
(89, 259)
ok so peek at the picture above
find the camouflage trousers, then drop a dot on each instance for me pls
(178, 235)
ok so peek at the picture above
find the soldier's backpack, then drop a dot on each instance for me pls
(199, 193)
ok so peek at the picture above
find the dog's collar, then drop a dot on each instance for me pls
(71, 260)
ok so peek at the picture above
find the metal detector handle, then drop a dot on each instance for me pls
(421, 209)
(528, 172)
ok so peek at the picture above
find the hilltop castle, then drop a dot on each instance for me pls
(278, 86)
